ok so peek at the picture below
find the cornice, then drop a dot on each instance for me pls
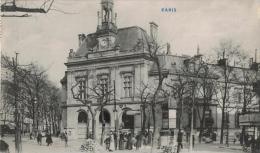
(99, 60)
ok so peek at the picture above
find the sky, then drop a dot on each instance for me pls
(47, 38)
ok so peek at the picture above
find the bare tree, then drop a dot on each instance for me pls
(144, 95)
(206, 91)
(100, 93)
(230, 52)
(179, 90)
(27, 92)
(153, 49)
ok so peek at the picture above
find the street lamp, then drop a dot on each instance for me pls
(193, 97)
(34, 104)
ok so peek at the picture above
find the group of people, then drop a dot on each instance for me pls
(250, 141)
(39, 137)
(126, 140)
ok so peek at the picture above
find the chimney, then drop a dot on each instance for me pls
(255, 55)
(115, 17)
(98, 20)
(198, 50)
(168, 49)
(81, 38)
(153, 31)
(251, 62)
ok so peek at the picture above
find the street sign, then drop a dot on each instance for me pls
(172, 118)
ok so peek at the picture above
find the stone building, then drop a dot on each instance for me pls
(112, 66)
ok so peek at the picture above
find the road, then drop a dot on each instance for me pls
(58, 146)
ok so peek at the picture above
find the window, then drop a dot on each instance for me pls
(128, 85)
(82, 89)
(82, 117)
(103, 82)
(237, 119)
(82, 86)
(165, 116)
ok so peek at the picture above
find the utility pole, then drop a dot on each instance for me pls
(225, 65)
(17, 113)
(115, 116)
(192, 118)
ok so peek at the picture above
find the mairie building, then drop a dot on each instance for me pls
(111, 67)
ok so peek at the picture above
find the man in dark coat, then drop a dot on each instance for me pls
(179, 140)
(4, 147)
(39, 138)
(121, 141)
(48, 139)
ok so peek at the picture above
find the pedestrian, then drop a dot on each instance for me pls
(115, 139)
(4, 147)
(121, 141)
(107, 142)
(253, 141)
(48, 139)
(179, 140)
(31, 136)
(247, 142)
(138, 141)
(39, 138)
(193, 140)
(241, 139)
(66, 139)
(129, 141)
(125, 141)
(257, 144)
(133, 141)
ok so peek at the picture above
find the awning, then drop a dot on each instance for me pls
(132, 112)
(250, 119)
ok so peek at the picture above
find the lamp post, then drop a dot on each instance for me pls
(34, 104)
(115, 116)
(193, 99)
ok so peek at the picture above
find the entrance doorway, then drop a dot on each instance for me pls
(128, 121)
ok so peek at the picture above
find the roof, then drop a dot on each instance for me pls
(127, 38)
(169, 62)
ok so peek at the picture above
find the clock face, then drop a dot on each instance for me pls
(106, 42)
(103, 42)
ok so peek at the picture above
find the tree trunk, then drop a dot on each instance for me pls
(143, 123)
(202, 120)
(103, 127)
(94, 128)
(224, 105)
(87, 133)
(154, 138)
(5, 118)
(243, 111)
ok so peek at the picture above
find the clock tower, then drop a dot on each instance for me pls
(106, 29)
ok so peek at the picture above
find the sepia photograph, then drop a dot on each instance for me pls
(123, 76)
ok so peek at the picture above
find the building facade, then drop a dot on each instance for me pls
(110, 69)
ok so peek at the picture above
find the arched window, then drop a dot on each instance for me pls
(82, 117)
(106, 116)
